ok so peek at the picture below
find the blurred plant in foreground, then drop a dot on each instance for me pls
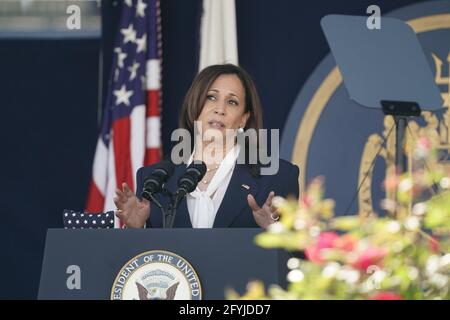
(404, 255)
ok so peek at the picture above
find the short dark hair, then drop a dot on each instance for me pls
(195, 98)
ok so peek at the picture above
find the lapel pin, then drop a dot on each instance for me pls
(246, 186)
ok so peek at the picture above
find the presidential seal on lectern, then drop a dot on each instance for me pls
(157, 275)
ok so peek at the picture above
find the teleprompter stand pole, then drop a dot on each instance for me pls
(401, 111)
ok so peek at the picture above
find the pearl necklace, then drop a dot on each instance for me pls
(209, 170)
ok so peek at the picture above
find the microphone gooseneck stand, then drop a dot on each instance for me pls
(186, 184)
(171, 211)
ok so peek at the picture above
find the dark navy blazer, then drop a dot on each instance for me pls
(234, 211)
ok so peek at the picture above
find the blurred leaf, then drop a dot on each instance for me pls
(438, 214)
(346, 223)
(327, 209)
(291, 241)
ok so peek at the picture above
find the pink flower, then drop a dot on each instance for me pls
(434, 245)
(423, 148)
(386, 295)
(424, 143)
(325, 240)
(370, 256)
(306, 201)
(391, 182)
(313, 254)
(347, 242)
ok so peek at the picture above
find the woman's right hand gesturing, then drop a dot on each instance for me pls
(133, 212)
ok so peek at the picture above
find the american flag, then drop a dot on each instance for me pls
(130, 134)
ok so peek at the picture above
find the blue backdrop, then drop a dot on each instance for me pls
(49, 98)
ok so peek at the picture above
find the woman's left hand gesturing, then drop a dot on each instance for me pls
(265, 215)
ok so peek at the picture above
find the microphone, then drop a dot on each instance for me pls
(154, 182)
(186, 184)
(189, 180)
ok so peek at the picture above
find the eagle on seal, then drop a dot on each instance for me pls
(170, 292)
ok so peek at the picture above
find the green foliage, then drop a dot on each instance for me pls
(404, 255)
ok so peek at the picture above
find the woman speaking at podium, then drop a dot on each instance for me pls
(222, 101)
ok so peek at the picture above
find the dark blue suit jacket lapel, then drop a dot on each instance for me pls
(235, 199)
